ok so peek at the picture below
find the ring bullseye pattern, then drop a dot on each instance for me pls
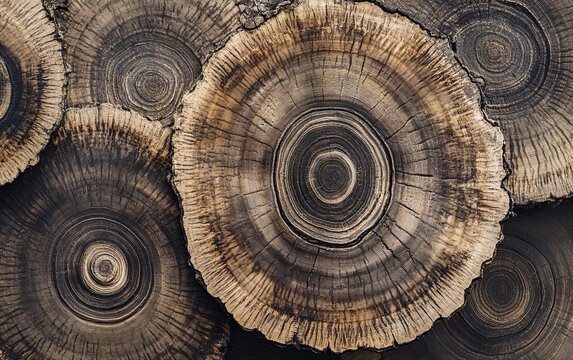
(340, 186)
(145, 72)
(520, 51)
(523, 305)
(332, 177)
(31, 84)
(513, 61)
(94, 265)
(142, 55)
(103, 271)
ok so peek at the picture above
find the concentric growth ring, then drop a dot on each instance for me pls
(103, 271)
(31, 84)
(521, 53)
(94, 265)
(332, 177)
(142, 55)
(523, 305)
(333, 166)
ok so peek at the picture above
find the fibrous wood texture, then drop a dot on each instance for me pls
(31, 84)
(93, 257)
(523, 305)
(521, 51)
(340, 186)
(141, 54)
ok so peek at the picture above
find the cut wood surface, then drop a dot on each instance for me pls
(31, 84)
(94, 264)
(340, 186)
(141, 54)
(522, 53)
(522, 307)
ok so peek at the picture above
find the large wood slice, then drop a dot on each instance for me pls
(94, 264)
(141, 54)
(31, 84)
(521, 51)
(523, 305)
(340, 186)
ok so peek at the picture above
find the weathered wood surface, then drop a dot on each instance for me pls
(522, 53)
(31, 84)
(141, 54)
(94, 263)
(523, 305)
(340, 117)
(255, 12)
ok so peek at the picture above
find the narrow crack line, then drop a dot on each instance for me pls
(312, 268)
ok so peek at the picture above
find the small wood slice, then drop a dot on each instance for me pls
(31, 84)
(523, 305)
(340, 186)
(522, 53)
(141, 54)
(94, 264)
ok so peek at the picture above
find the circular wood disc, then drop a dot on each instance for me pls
(521, 52)
(141, 54)
(31, 84)
(523, 305)
(94, 263)
(340, 186)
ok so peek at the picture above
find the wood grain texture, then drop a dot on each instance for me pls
(344, 102)
(31, 84)
(94, 263)
(521, 51)
(522, 307)
(141, 54)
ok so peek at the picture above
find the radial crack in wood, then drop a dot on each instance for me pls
(340, 186)
(94, 264)
(31, 84)
(141, 54)
(523, 305)
(521, 51)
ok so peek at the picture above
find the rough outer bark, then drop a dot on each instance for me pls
(521, 51)
(141, 54)
(254, 12)
(31, 84)
(523, 305)
(362, 97)
(94, 263)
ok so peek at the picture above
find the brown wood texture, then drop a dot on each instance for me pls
(94, 264)
(31, 84)
(340, 186)
(521, 51)
(141, 54)
(522, 308)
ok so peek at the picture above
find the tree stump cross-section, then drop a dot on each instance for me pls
(340, 186)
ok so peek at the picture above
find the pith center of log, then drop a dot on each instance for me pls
(332, 177)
